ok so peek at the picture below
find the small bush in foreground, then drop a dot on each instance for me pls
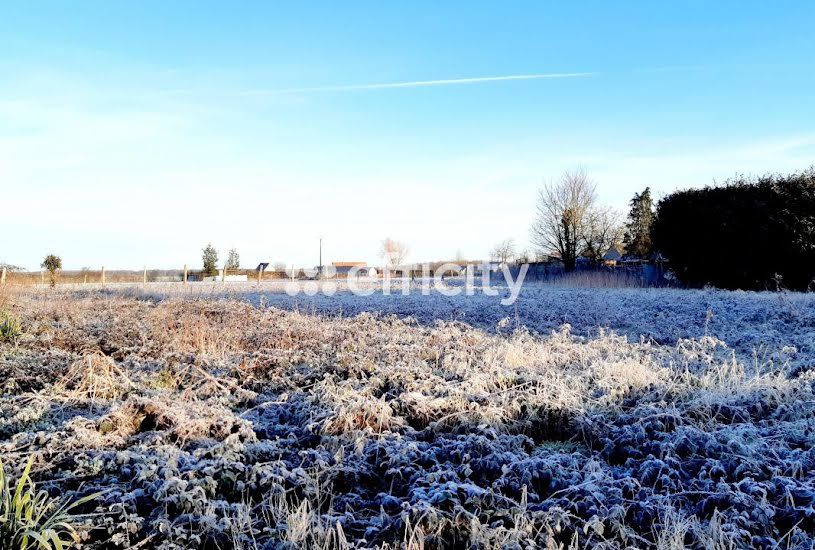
(33, 520)
(10, 328)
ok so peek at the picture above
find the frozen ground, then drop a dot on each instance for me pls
(759, 326)
(213, 423)
(750, 322)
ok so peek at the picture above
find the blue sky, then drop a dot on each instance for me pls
(132, 133)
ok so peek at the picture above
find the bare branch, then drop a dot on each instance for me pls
(503, 251)
(394, 252)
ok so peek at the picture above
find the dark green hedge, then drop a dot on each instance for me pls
(742, 234)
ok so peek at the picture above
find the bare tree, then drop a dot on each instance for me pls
(604, 229)
(11, 268)
(503, 251)
(562, 213)
(393, 252)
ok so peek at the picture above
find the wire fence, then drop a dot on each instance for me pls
(103, 276)
(644, 275)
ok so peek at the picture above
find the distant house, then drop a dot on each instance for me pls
(343, 269)
(612, 257)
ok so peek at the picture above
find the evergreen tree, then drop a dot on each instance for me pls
(637, 238)
(210, 259)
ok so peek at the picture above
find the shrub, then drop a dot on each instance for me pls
(33, 520)
(52, 263)
(10, 328)
(752, 234)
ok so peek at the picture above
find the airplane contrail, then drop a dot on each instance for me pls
(423, 83)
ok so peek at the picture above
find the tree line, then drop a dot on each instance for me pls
(570, 223)
(747, 233)
(209, 259)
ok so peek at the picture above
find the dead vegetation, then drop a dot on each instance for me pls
(215, 424)
(94, 377)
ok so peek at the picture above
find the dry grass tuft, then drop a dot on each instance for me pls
(94, 377)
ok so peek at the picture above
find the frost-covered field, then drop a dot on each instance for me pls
(576, 418)
(760, 326)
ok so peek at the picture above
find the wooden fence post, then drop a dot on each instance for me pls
(185, 273)
(103, 275)
(144, 277)
(223, 275)
(3, 277)
(260, 272)
(42, 277)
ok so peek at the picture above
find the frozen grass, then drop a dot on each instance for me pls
(761, 327)
(620, 278)
(213, 423)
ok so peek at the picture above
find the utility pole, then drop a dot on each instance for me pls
(320, 265)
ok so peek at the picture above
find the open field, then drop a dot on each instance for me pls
(605, 418)
(759, 327)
